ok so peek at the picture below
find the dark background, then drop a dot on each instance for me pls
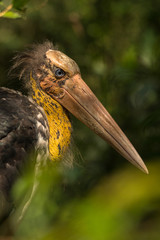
(117, 47)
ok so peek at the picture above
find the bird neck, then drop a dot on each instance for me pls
(58, 121)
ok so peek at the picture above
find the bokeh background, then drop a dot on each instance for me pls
(117, 47)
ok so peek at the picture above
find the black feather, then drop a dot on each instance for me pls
(18, 136)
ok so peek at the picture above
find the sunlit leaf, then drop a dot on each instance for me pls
(12, 14)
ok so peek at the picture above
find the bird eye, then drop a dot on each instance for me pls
(59, 73)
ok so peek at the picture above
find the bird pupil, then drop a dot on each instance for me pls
(59, 73)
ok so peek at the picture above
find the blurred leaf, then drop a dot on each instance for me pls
(19, 4)
(124, 206)
(12, 14)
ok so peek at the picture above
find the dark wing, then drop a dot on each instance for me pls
(21, 122)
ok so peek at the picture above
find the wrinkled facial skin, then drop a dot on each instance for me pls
(53, 83)
(63, 83)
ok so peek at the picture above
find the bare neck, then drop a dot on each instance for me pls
(58, 121)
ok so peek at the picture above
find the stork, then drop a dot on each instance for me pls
(40, 122)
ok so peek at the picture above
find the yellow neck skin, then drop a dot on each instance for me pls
(58, 121)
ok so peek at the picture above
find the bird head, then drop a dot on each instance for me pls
(59, 76)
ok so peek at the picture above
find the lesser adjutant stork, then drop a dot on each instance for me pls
(40, 121)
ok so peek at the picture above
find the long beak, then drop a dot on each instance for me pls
(83, 104)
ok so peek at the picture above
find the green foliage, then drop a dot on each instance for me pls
(19, 4)
(12, 14)
(123, 206)
(13, 9)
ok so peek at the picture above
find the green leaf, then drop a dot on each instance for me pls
(11, 14)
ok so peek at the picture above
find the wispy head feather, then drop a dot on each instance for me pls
(30, 60)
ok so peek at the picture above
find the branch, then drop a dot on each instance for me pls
(6, 10)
